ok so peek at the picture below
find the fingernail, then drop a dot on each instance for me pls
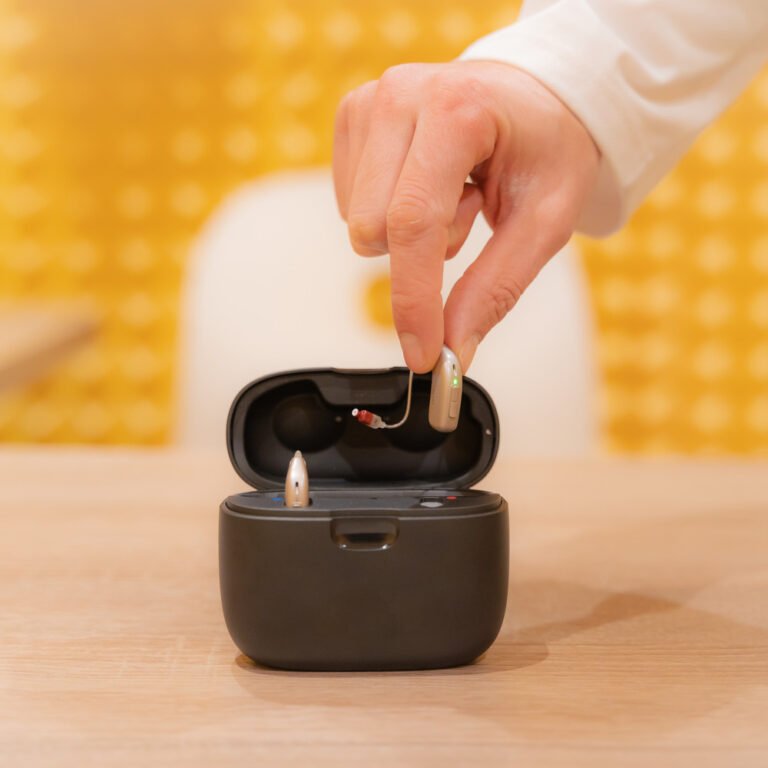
(412, 351)
(467, 351)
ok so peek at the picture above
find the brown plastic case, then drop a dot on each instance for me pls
(395, 564)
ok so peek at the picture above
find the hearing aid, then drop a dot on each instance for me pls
(444, 397)
(297, 482)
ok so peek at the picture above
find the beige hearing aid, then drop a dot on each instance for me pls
(297, 482)
(445, 395)
(444, 398)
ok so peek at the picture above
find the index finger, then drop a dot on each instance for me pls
(448, 142)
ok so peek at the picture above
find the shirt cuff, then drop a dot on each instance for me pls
(569, 50)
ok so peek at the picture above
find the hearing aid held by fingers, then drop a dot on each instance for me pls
(445, 393)
(444, 399)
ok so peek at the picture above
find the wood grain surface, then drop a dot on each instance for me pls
(636, 631)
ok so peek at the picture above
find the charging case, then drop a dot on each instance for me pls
(396, 563)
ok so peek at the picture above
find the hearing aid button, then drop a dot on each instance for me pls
(453, 409)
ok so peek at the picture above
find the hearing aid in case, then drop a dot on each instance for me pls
(392, 560)
(297, 482)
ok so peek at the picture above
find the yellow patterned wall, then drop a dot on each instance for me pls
(681, 296)
(122, 126)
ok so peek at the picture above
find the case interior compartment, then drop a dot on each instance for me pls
(310, 411)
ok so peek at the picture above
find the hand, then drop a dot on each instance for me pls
(405, 147)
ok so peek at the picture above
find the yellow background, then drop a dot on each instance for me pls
(122, 126)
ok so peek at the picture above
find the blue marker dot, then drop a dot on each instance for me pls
(277, 498)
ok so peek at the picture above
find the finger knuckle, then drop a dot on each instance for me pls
(398, 74)
(345, 104)
(560, 234)
(392, 84)
(446, 94)
(357, 102)
(341, 123)
(472, 118)
(390, 79)
(451, 100)
(411, 216)
(554, 222)
(366, 231)
(407, 301)
(502, 297)
(456, 88)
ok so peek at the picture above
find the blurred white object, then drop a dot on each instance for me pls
(273, 284)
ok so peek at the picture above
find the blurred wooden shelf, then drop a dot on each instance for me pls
(34, 338)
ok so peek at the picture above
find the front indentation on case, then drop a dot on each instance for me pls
(364, 534)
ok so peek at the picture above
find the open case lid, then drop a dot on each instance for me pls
(311, 411)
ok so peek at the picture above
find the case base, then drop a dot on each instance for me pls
(379, 581)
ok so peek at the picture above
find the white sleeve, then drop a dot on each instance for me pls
(644, 76)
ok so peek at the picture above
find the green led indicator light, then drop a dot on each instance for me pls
(455, 382)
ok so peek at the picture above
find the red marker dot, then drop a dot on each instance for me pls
(451, 498)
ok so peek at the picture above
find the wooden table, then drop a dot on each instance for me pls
(636, 633)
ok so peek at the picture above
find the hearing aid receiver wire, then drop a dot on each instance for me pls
(444, 397)
(374, 421)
